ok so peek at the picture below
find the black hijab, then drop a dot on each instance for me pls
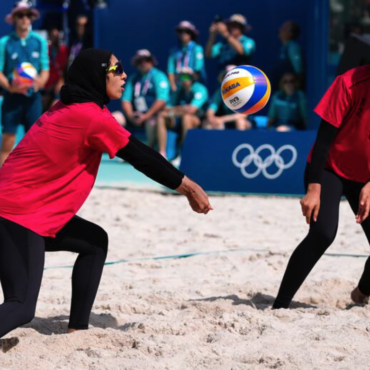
(86, 78)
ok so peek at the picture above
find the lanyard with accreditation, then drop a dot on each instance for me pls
(140, 102)
(180, 63)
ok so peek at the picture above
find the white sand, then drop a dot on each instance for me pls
(205, 312)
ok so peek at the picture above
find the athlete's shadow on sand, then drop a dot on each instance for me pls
(59, 324)
(259, 301)
(353, 305)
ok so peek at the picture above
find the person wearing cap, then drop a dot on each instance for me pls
(185, 109)
(290, 57)
(219, 116)
(146, 94)
(21, 105)
(235, 47)
(187, 54)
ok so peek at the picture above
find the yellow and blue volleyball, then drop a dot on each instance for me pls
(245, 89)
(24, 74)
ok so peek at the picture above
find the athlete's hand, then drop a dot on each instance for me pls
(197, 198)
(363, 204)
(310, 203)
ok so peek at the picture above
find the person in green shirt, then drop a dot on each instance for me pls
(187, 54)
(288, 107)
(290, 58)
(219, 116)
(185, 109)
(235, 48)
(146, 94)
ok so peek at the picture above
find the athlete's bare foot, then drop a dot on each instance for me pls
(358, 297)
(72, 330)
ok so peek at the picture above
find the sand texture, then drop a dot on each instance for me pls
(209, 311)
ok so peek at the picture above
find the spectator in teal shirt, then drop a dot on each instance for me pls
(22, 104)
(290, 57)
(185, 109)
(146, 94)
(188, 54)
(288, 110)
(235, 48)
(219, 116)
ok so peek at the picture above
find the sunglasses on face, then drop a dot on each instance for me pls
(117, 69)
(141, 61)
(180, 32)
(22, 15)
(183, 78)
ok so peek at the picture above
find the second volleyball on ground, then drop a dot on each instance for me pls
(245, 89)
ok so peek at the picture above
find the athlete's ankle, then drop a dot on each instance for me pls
(70, 330)
(362, 289)
(281, 303)
(358, 297)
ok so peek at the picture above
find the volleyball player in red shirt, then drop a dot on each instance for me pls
(339, 165)
(48, 177)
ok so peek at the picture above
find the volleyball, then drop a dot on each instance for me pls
(24, 74)
(245, 89)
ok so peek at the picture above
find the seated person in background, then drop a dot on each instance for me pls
(146, 93)
(188, 53)
(58, 56)
(219, 116)
(288, 110)
(235, 48)
(185, 109)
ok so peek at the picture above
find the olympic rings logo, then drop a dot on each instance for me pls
(261, 164)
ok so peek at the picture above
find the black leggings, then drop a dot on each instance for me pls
(22, 254)
(321, 235)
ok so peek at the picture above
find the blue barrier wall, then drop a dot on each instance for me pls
(247, 162)
(5, 7)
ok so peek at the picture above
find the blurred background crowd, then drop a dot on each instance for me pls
(162, 102)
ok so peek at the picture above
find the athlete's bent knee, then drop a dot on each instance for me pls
(101, 239)
(25, 314)
(323, 237)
